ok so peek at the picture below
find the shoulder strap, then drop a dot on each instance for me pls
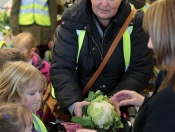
(109, 53)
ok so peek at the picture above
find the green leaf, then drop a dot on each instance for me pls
(84, 121)
(91, 96)
(97, 93)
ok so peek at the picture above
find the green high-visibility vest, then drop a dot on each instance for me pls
(38, 124)
(126, 44)
(34, 11)
(145, 8)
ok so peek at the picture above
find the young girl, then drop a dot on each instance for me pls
(15, 118)
(22, 83)
(27, 44)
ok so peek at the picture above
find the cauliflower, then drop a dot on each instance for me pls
(99, 114)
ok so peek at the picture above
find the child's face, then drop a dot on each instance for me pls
(27, 53)
(33, 95)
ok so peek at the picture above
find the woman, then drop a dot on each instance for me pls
(102, 20)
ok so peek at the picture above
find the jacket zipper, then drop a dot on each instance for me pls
(101, 55)
(103, 38)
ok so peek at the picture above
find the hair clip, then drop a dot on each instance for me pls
(4, 115)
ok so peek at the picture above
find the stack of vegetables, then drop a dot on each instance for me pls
(99, 114)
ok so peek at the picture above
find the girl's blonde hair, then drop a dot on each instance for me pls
(14, 118)
(26, 39)
(159, 22)
(15, 78)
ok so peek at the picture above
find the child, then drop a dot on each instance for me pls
(11, 54)
(27, 44)
(15, 118)
(22, 83)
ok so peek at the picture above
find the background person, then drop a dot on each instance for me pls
(38, 17)
(27, 44)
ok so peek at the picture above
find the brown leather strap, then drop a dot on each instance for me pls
(109, 53)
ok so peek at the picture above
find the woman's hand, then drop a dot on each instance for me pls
(78, 109)
(116, 105)
(127, 97)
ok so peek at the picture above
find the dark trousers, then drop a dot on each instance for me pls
(41, 50)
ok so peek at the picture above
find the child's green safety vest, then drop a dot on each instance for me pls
(38, 124)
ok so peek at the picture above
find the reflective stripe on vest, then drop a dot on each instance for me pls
(81, 34)
(52, 91)
(127, 46)
(38, 124)
(34, 11)
(3, 44)
(145, 8)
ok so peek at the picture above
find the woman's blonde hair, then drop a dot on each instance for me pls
(15, 78)
(14, 118)
(159, 22)
(26, 39)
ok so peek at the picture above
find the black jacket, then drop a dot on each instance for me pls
(157, 112)
(69, 77)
